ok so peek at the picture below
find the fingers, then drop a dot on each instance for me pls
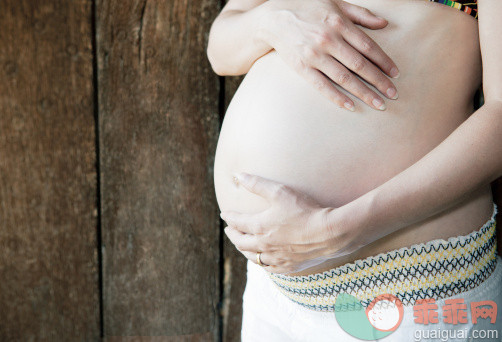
(353, 60)
(367, 46)
(271, 263)
(253, 258)
(244, 242)
(347, 80)
(246, 223)
(260, 186)
(349, 53)
(362, 16)
(323, 84)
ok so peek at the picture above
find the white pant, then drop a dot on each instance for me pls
(268, 315)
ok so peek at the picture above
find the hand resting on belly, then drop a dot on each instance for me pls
(280, 128)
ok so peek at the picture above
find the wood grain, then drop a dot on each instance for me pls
(180, 338)
(158, 105)
(48, 260)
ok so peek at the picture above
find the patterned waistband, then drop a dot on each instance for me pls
(435, 269)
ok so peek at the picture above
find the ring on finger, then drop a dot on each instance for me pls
(258, 259)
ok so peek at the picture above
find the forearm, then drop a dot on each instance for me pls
(467, 159)
(236, 40)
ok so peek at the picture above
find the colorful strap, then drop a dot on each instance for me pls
(469, 7)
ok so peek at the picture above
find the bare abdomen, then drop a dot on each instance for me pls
(279, 127)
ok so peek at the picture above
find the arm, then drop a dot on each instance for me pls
(234, 39)
(318, 39)
(469, 158)
(296, 232)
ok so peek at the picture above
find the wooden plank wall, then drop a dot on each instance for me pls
(159, 228)
(48, 210)
(158, 128)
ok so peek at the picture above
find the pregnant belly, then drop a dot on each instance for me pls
(279, 127)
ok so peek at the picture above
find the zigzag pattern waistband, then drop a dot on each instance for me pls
(436, 269)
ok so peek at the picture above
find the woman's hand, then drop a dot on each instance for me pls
(292, 234)
(320, 40)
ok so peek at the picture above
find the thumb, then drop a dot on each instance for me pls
(362, 16)
(260, 186)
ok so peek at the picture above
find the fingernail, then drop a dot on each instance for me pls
(379, 104)
(392, 93)
(235, 180)
(349, 106)
(394, 73)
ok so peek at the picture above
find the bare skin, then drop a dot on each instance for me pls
(364, 178)
(318, 39)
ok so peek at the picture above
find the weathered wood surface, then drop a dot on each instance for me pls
(180, 338)
(158, 123)
(48, 260)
